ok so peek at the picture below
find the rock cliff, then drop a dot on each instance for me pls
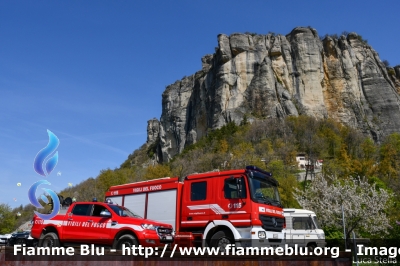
(272, 75)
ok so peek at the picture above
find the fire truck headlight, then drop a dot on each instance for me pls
(321, 236)
(148, 226)
(261, 234)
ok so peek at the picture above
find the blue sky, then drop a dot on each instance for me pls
(93, 72)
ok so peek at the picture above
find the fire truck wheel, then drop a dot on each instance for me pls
(127, 240)
(49, 240)
(221, 239)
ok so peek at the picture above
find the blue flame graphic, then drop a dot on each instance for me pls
(44, 153)
(35, 202)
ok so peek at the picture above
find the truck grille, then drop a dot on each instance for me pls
(162, 230)
(270, 223)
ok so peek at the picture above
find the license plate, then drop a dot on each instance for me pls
(168, 237)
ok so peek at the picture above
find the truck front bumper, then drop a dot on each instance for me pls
(258, 237)
(152, 239)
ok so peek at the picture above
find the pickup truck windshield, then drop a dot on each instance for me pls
(124, 212)
(263, 191)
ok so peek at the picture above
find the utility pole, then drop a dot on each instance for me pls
(355, 247)
(344, 229)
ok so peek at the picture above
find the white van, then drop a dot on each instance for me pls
(302, 228)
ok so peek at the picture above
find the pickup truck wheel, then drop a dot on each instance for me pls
(127, 240)
(49, 240)
(221, 239)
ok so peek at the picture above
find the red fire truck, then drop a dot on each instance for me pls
(240, 207)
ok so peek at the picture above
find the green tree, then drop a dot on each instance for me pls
(222, 146)
(7, 219)
(287, 183)
(389, 165)
(157, 171)
(329, 131)
(108, 178)
(365, 165)
(345, 162)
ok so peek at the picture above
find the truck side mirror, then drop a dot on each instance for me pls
(239, 186)
(105, 214)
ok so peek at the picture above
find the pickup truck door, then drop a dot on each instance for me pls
(72, 228)
(98, 227)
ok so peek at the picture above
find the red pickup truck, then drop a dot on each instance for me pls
(102, 224)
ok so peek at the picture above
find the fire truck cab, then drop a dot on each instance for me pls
(240, 207)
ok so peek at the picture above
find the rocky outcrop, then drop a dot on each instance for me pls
(153, 131)
(394, 74)
(277, 76)
(397, 71)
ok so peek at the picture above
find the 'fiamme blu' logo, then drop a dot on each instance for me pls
(35, 202)
(40, 159)
(44, 165)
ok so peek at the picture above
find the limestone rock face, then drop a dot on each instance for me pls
(394, 74)
(153, 130)
(277, 76)
(397, 71)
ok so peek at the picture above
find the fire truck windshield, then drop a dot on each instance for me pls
(124, 212)
(263, 191)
